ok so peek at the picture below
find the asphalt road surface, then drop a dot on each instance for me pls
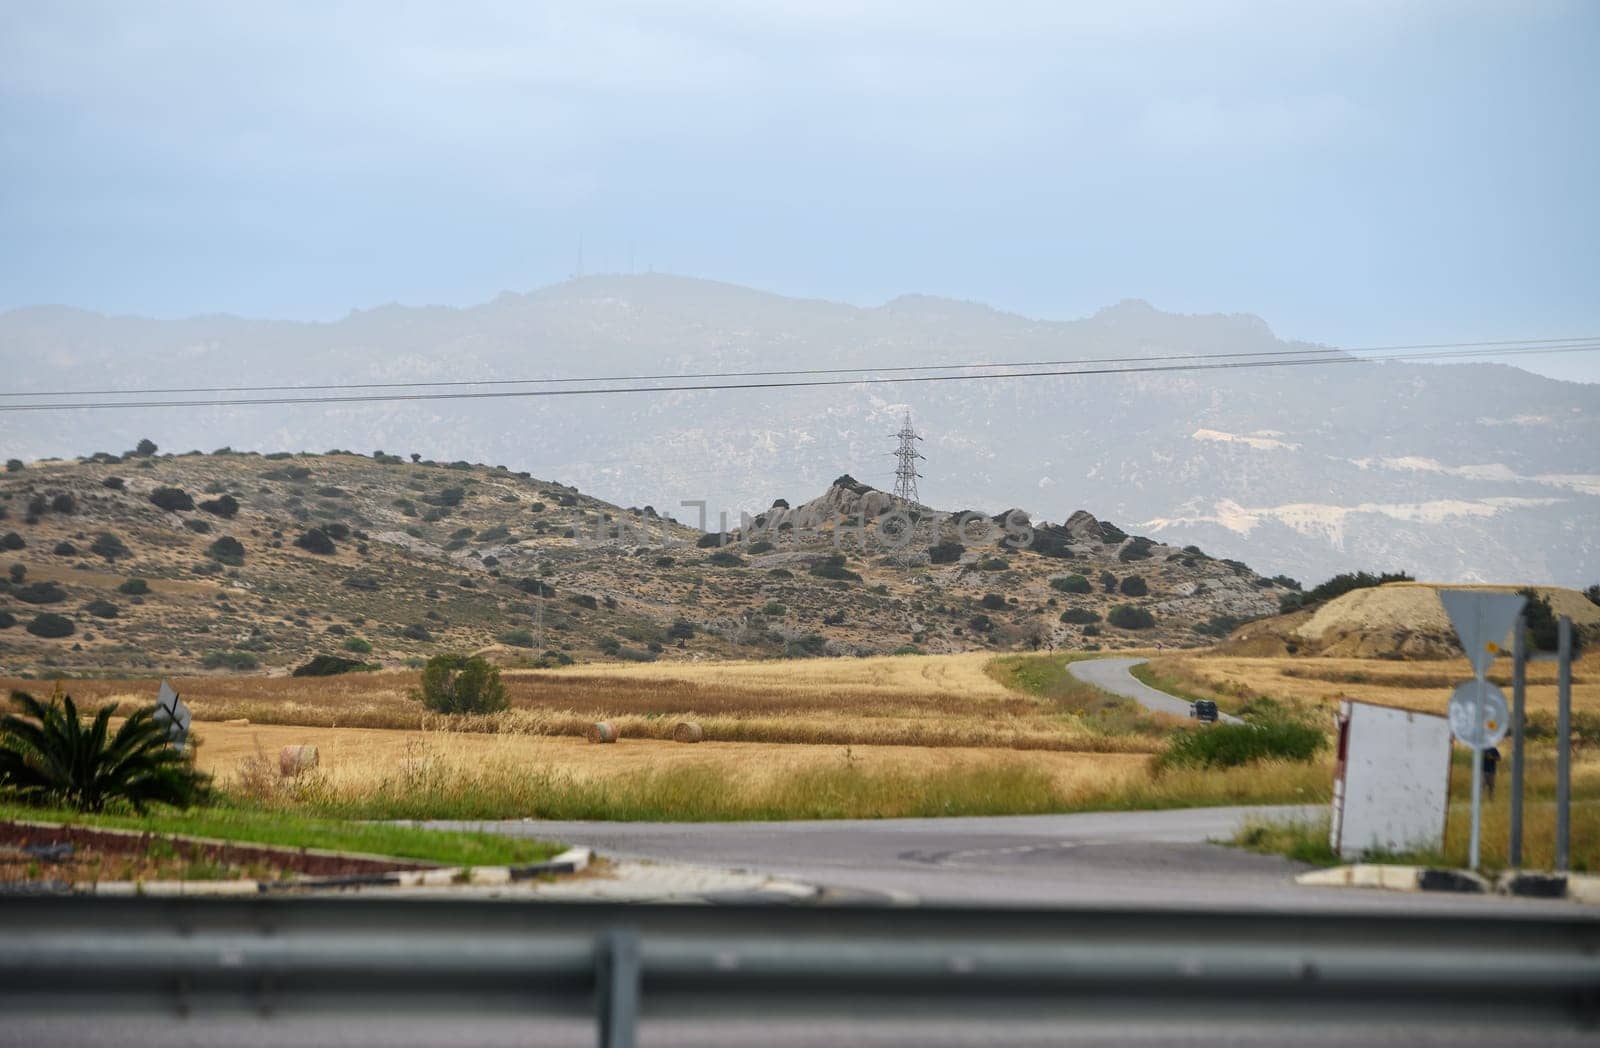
(1114, 675)
(1100, 858)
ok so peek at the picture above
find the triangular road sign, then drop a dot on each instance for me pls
(1483, 619)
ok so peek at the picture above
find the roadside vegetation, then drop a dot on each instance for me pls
(1307, 840)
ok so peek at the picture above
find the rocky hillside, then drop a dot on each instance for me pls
(153, 562)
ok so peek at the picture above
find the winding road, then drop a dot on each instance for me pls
(1116, 676)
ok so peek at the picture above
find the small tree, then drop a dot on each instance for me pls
(1128, 617)
(226, 506)
(454, 683)
(227, 550)
(108, 546)
(14, 465)
(145, 448)
(316, 541)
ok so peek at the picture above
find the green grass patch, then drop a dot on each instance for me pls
(1234, 745)
(1047, 677)
(294, 829)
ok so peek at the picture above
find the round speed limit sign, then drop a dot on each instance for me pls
(1464, 714)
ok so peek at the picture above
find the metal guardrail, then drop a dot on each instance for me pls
(332, 955)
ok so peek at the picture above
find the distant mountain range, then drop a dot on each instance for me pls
(1473, 472)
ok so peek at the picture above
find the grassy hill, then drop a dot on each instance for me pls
(178, 563)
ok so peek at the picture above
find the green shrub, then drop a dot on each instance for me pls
(1220, 625)
(11, 540)
(16, 573)
(229, 660)
(453, 683)
(227, 550)
(833, 567)
(517, 638)
(1338, 586)
(316, 541)
(946, 552)
(65, 549)
(173, 500)
(1136, 549)
(101, 609)
(1230, 745)
(993, 564)
(761, 546)
(331, 666)
(49, 624)
(64, 503)
(1071, 584)
(114, 483)
(14, 466)
(1128, 617)
(134, 587)
(1543, 627)
(1134, 586)
(226, 506)
(416, 631)
(357, 645)
(773, 609)
(47, 755)
(7, 620)
(198, 526)
(993, 602)
(609, 645)
(724, 559)
(109, 546)
(1080, 616)
(980, 624)
(806, 646)
(1108, 582)
(40, 593)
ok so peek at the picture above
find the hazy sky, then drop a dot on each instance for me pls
(1355, 173)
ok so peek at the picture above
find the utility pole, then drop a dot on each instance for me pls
(1563, 743)
(1519, 690)
(905, 473)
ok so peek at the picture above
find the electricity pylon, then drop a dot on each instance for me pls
(905, 472)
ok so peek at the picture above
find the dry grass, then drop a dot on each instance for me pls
(1321, 682)
(1308, 842)
(384, 774)
(945, 700)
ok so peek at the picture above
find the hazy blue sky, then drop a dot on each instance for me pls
(1355, 173)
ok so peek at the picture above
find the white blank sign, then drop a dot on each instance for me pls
(1392, 785)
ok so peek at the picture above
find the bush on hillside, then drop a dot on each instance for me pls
(114, 483)
(49, 624)
(833, 568)
(1134, 586)
(993, 602)
(40, 593)
(134, 587)
(724, 559)
(63, 503)
(453, 683)
(14, 466)
(226, 506)
(947, 552)
(1136, 549)
(358, 645)
(11, 540)
(517, 638)
(229, 660)
(1128, 617)
(65, 549)
(315, 540)
(101, 609)
(331, 666)
(227, 550)
(173, 500)
(7, 620)
(1338, 586)
(109, 546)
(1080, 616)
(1071, 584)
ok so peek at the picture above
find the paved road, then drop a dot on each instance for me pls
(1114, 675)
(1152, 857)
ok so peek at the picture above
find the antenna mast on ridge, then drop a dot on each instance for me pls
(905, 472)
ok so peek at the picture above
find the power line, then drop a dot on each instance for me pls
(797, 372)
(808, 383)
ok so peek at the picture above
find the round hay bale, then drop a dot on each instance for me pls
(602, 731)
(292, 760)
(687, 731)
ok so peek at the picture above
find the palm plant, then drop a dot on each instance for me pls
(50, 755)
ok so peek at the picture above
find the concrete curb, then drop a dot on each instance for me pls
(573, 860)
(1577, 887)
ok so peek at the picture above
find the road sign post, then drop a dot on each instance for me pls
(1519, 688)
(1478, 712)
(1563, 743)
(173, 715)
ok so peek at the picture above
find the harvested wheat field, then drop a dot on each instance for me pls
(356, 759)
(936, 700)
(1420, 685)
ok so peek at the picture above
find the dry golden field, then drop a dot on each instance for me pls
(940, 700)
(1322, 682)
